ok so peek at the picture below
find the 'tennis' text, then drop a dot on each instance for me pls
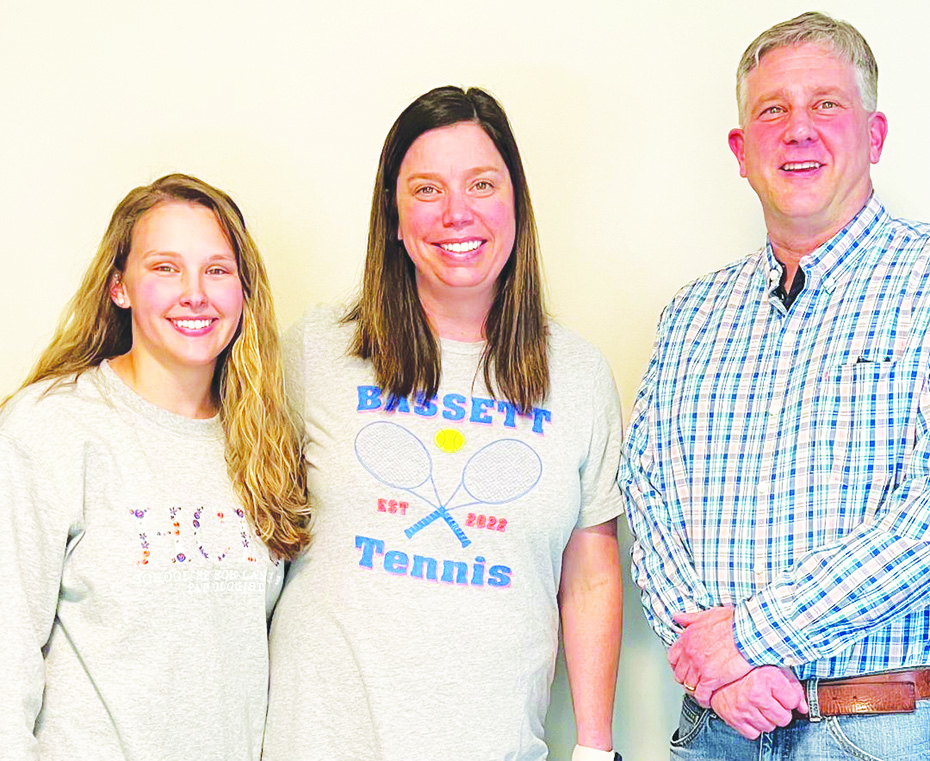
(430, 569)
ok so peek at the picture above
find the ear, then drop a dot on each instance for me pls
(878, 131)
(118, 291)
(737, 145)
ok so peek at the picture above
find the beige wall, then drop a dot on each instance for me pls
(621, 110)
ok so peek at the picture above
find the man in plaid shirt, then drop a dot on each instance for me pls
(777, 466)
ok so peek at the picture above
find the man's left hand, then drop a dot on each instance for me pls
(705, 657)
(760, 701)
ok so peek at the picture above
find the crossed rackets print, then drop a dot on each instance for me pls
(499, 472)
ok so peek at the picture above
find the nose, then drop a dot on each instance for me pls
(799, 127)
(457, 211)
(192, 290)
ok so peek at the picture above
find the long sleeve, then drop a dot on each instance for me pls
(34, 533)
(662, 566)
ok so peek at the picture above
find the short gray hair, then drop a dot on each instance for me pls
(841, 37)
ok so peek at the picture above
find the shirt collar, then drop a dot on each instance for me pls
(827, 263)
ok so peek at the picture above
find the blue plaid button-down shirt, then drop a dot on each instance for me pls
(779, 460)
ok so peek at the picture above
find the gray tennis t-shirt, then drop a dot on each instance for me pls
(422, 622)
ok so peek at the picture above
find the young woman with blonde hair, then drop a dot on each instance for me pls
(151, 483)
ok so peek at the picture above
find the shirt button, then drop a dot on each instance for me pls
(759, 569)
(774, 409)
(762, 488)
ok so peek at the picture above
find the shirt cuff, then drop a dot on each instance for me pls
(583, 753)
(765, 636)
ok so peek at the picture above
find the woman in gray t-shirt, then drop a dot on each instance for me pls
(463, 451)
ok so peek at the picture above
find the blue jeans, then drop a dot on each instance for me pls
(887, 737)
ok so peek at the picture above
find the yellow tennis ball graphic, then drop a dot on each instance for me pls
(449, 440)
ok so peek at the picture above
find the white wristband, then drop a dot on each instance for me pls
(581, 753)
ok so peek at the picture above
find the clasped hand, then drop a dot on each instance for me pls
(708, 664)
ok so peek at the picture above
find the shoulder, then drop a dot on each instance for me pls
(319, 327)
(574, 360)
(906, 240)
(699, 304)
(567, 346)
(906, 229)
(713, 286)
(584, 393)
(317, 355)
(54, 413)
(896, 260)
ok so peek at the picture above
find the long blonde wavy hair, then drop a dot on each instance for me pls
(263, 440)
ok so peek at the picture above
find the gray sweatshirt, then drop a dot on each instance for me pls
(134, 595)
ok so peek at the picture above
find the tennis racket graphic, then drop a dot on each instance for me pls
(398, 459)
(499, 472)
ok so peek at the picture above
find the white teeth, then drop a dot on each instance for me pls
(192, 324)
(460, 248)
(801, 165)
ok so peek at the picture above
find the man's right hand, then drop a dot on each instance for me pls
(760, 701)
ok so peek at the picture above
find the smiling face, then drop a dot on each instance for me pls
(455, 211)
(181, 283)
(807, 142)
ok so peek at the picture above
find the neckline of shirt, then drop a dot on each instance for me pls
(208, 429)
(463, 348)
(828, 262)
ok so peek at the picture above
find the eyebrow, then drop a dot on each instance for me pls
(782, 93)
(469, 173)
(157, 253)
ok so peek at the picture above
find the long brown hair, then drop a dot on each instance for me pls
(263, 442)
(392, 329)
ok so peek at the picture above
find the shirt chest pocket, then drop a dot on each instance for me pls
(866, 412)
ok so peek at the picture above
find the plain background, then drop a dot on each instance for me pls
(621, 110)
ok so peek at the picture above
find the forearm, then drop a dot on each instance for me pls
(857, 582)
(591, 605)
(668, 585)
(833, 598)
(662, 564)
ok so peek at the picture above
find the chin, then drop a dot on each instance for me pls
(801, 208)
(197, 360)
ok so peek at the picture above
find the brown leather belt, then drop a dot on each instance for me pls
(887, 692)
